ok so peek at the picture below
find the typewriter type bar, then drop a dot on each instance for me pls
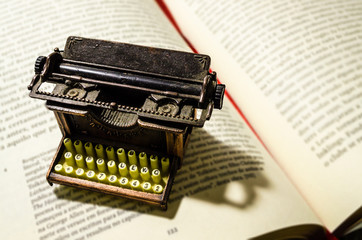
(120, 96)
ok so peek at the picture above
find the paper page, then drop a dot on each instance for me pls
(228, 186)
(294, 68)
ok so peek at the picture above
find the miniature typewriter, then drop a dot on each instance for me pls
(126, 113)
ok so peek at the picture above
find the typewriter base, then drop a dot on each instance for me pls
(159, 200)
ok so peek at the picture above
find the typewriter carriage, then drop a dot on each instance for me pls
(122, 95)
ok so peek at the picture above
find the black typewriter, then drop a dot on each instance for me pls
(126, 113)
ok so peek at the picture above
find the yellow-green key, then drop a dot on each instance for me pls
(154, 162)
(79, 147)
(133, 171)
(165, 164)
(69, 145)
(145, 174)
(102, 177)
(146, 186)
(89, 149)
(90, 163)
(136, 185)
(69, 170)
(79, 160)
(121, 154)
(112, 179)
(100, 151)
(69, 159)
(156, 176)
(110, 153)
(59, 168)
(80, 173)
(91, 175)
(122, 168)
(101, 165)
(112, 167)
(124, 182)
(157, 188)
(143, 159)
(132, 158)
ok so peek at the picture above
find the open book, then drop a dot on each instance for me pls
(294, 71)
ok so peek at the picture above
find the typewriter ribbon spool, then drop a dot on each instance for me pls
(129, 108)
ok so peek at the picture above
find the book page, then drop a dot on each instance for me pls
(228, 185)
(294, 69)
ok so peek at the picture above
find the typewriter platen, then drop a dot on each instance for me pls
(125, 112)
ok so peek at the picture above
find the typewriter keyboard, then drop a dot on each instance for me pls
(117, 167)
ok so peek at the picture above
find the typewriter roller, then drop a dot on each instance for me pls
(125, 112)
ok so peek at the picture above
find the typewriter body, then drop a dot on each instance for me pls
(126, 113)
